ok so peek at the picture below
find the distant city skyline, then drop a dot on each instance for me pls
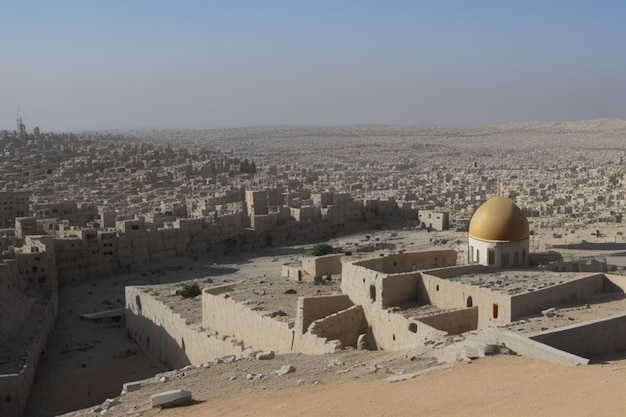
(75, 65)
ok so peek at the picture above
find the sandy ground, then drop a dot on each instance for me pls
(502, 385)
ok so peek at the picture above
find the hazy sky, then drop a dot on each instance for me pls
(107, 64)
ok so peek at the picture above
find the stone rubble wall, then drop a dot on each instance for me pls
(344, 326)
(15, 387)
(160, 332)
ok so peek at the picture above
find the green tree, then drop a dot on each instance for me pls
(322, 249)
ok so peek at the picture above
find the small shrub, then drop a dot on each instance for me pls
(322, 249)
(189, 291)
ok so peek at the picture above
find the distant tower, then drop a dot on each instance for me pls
(21, 128)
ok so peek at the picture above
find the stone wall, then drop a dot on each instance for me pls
(494, 308)
(255, 329)
(166, 336)
(400, 288)
(15, 387)
(411, 261)
(454, 322)
(576, 291)
(344, 326)
(315, 308)
(594, 338)
(319, 266)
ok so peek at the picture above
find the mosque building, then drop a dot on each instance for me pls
(498, 235)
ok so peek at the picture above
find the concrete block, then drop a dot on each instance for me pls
(170, 398)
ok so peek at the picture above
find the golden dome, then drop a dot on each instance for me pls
(499, 219)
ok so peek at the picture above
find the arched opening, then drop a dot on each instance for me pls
(182, 343)
(470, 302)
(138, 302)
(372, 293)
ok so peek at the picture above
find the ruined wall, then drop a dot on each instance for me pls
(594, 338)
(399, 289)
(412, 261)
(387, 329)
(494, 308)
(344, 326)
(576, 291)
(255, 329)
(362, 284)
(15, 387)
(315, 308)
(165, 335)
(319, 266)
(454, 322)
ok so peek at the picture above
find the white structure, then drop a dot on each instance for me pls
(499, 235)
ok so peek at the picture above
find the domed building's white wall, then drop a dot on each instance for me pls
(498, 254)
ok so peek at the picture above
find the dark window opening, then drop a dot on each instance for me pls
(413, 327)
(470, 302)
(373, 292)
(495, 311)
(138, 302)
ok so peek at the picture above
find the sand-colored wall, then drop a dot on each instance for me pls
(160, 332)
(344, 326)
(576, 291)
(400, 288)
(255, 329)
(446, 294)
(594, 338)
(315, 308)
(411, 261)
(318, 266)
(358, 280)
(454, 322)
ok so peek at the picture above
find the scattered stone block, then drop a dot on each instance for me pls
(261, 356)
(287, 369)
(491, 349)
(131, 386)
(361, 342)
(228, 359)
(471, 353)
(550, 312)
(249, 353)
(170, 398)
